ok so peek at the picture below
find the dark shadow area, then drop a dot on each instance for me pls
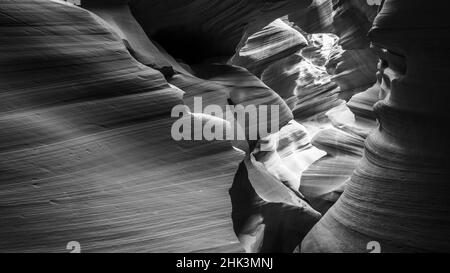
(190, 46)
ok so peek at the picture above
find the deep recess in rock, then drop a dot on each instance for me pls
(189, 46)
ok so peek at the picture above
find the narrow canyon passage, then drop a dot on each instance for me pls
(342, 140)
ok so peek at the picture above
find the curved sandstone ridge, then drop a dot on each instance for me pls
(274, 42)
(293, 66)
(302, 80)
(354, 67)
(92, 123)
(398, 196)
(292, 63)
(117, 15)
(269, 212)
(100, 111)
(86, 152)
(349, 19)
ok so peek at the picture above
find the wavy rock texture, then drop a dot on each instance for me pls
(91, 127)
(293, 65)
(316, 92)
(349, 19)
(342, 137)
(354, 69)
(351, 66)
(243, 88)
(344, 134)
(269, 213)
(302, 80)
(118, 16)
(86, 152)
(273, 43)
(222, 84)
(272, 55)
(398, 196)
(354, 66)
(316, 18)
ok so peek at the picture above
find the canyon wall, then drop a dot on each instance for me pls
(86, 152)
(86, 146)
(398, 196)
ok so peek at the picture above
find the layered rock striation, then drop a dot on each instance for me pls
(398, 196)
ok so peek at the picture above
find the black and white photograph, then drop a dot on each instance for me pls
(228, 127)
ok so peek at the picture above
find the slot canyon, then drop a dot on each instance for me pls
(224, 126)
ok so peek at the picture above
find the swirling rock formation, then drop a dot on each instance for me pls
(86, 152)
(316, 18)
(269, 212)
(118, 16)
(354, 67)
(274, 42)
(316, 92)
(343, 140)
(277, 49)
(398, 196)
(296, 71)
(293, 66)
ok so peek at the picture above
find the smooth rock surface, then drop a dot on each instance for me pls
(398, 196)
(86, 152)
